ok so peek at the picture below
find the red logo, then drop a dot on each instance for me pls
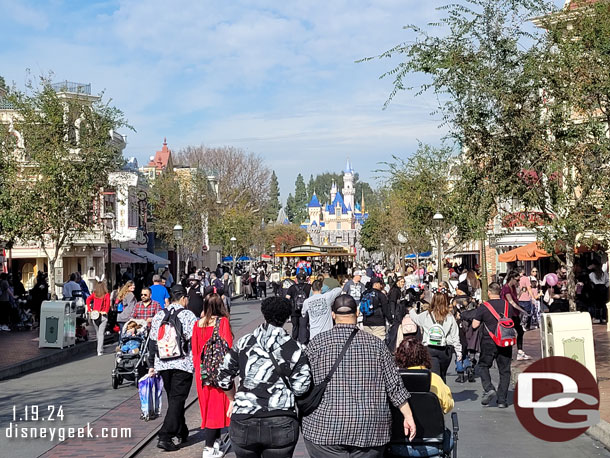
(557, 399)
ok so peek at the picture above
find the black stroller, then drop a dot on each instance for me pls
(131, 354)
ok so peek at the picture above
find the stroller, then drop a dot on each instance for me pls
(131, 355)
(23, 316)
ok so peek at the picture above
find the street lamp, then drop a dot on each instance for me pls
(382, 254)
(233, 240)
(178, 232)
(108, 220)
(438, 220)
(273, 249)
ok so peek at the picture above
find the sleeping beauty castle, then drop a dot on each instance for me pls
(337, 223)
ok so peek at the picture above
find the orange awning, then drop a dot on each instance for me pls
(529, 252)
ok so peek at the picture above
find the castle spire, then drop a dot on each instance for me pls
(362, 209)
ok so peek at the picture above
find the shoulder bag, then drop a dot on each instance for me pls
(310, 401)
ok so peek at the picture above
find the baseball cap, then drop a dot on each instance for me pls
(358, 272)
(345, 305)
(302, 276)
(376, 280)
(194, 277)
(178, 292)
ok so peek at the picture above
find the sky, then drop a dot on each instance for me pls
(274, 78)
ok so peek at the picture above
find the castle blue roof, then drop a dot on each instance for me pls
(314, 224)
(314, 203)
(338, 201)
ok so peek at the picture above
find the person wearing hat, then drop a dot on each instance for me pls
(368, 373)
(355, 287)
(195, 295)
(382, 314)
(177, 373)
(297, 294)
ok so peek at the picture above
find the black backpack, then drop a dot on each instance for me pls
(297, 301)
(171, 343)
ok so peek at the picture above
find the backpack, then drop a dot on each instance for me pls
(505, 335)
(408, 326)
(212, 355)
(171, 343)
(299, 298)
(436, 334)
(367, 303)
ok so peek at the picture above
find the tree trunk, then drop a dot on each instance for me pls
(51, 277)
(484, 277)
(571, 277)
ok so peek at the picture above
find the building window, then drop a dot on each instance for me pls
(132, 210)
(339, 225)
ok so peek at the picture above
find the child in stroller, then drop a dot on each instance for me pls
(130, 361)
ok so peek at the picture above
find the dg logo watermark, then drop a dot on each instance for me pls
(557, 399)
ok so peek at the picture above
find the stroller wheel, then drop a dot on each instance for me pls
(115, 381)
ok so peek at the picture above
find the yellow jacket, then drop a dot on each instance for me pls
(442, 391)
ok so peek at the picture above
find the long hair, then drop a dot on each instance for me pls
(100, 290)
(439, 305)
(473, 281)
(213, 305)
(411, 352)
(124, 290)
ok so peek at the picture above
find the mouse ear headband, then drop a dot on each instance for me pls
(99, 279)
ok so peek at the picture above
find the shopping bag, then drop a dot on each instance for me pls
(151, 392)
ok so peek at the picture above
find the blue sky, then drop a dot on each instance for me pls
(272, 77)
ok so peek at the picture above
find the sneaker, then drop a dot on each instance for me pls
(487, 397)
(209, 452)
(521, 356)
(4, 327)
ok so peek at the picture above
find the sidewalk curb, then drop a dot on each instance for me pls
(64, 355)
(601, 433)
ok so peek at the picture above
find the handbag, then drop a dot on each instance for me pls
(309, 402)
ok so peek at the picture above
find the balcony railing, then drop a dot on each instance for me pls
(72, 87)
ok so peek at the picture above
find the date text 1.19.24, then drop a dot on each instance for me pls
(38, 413)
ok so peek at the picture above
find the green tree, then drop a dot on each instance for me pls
(273, 204)
(371, 232)
(300, 200)
(290, 208)
(529, 111)
(64, 147)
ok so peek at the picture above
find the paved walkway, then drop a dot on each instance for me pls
(245, 317)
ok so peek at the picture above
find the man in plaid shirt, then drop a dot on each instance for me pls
(354, 417)
(146, 309)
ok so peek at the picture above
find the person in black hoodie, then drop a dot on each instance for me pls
(464, 308)
(382, 314)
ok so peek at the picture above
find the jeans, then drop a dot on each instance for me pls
(423, 450)
(100, 330)
(177, 385)
(300, 328)
(440, 357)
(268, 437)
(503, 356)
(342, 451)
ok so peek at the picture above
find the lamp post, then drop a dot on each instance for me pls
(438, 220)
(273, 249)
(178, 232)
(382, 254)
(233, 240)
(108, 220)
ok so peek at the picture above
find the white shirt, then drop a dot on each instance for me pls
(188, 320)
(603, 280)
(318, 307)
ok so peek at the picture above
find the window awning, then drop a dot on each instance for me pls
(125, 257)
(150, 257)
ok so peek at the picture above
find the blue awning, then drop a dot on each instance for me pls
(241, 258)
(425, 254)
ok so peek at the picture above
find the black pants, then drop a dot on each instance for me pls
(177, 385)
(300, 328)
(441, 359)
(276, 288)
(520, 331)
(262, 289)
(210, 435)
(271, 437)
(342, 451)
(503, 356)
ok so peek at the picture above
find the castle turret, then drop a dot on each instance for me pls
(348, 186)
(333, 191)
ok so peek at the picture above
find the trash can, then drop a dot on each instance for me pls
(57, 324)
(569, 334)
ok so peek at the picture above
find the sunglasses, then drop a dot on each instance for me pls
(145, 295)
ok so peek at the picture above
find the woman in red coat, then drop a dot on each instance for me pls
(213, 402)
(98, 306)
